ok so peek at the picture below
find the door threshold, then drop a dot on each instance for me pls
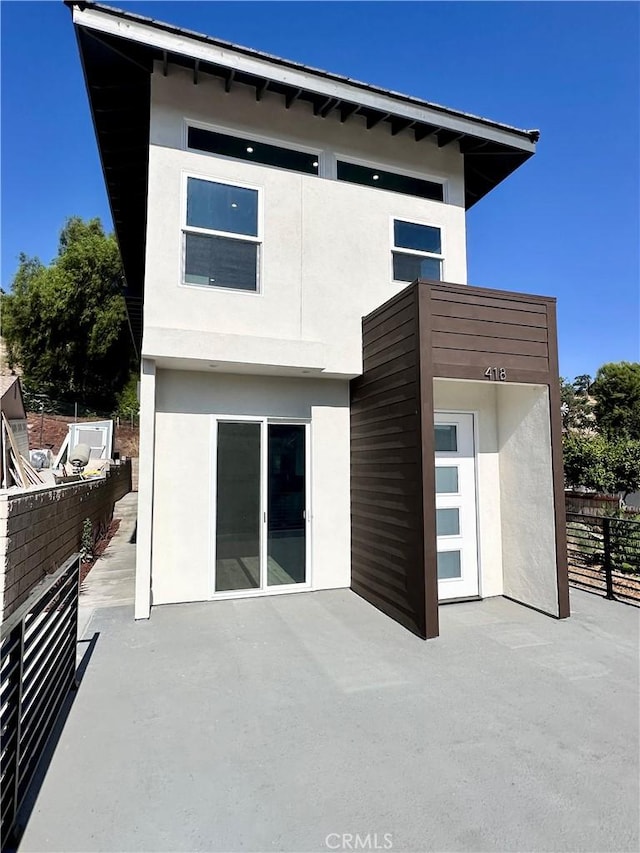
(260, 593)
(459, 600)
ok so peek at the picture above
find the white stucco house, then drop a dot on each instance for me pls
(263, 209)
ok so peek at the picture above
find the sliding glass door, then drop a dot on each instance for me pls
(286, 505)
(238, 511)
(261, 498)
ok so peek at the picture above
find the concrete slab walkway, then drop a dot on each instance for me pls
(298, 722)
(110, 583)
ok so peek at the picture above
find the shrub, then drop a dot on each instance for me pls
(625, 542)
(86, 539)
(586, 541)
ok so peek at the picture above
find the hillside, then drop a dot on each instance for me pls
(50, 431)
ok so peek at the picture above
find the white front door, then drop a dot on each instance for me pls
(456, 506)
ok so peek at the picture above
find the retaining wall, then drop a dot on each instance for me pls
(41, 527)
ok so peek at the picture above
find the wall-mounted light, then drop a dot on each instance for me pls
(249, 150)
(376, 177)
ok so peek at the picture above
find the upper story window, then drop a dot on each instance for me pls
(221, 236)
(369, 176)
(253, 151)
(310, 162)
(417, 251)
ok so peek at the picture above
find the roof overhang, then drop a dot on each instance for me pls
(118, 51)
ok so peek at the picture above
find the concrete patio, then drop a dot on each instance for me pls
(293, 723)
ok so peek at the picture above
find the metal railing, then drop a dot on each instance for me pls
(604, 555)
(37, 670)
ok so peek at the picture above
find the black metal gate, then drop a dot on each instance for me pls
(37, 670)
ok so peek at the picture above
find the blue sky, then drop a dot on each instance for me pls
(566, 224)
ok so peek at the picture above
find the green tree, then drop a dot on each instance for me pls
(616, 389)
(575, 405)
(128, 405)
(586, 462)
(66, 323)
(623, 457)
(582, 384)
(602, 464)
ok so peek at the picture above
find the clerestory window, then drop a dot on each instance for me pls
(253, 151)
(369, 176)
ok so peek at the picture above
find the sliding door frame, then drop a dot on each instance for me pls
(264, 589)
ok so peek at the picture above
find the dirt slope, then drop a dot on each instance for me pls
(51, 431)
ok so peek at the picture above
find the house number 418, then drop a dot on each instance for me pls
(496, 373)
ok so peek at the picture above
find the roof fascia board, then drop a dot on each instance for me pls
(95, 19)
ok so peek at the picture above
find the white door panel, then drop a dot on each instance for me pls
(456, 506)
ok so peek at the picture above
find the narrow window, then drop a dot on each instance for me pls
(221, 241)
(252, 151)
(417, 251)
(369, 177)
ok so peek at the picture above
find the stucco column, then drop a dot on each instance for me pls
(145, 488)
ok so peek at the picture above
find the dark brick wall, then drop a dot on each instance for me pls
(40, 529)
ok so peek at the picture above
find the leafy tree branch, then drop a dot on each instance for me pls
(65, 324)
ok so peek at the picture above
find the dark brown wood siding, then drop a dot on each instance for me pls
(432, 330)
(473, 329)
(387, 536)
(465, 330)
(555, 402)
